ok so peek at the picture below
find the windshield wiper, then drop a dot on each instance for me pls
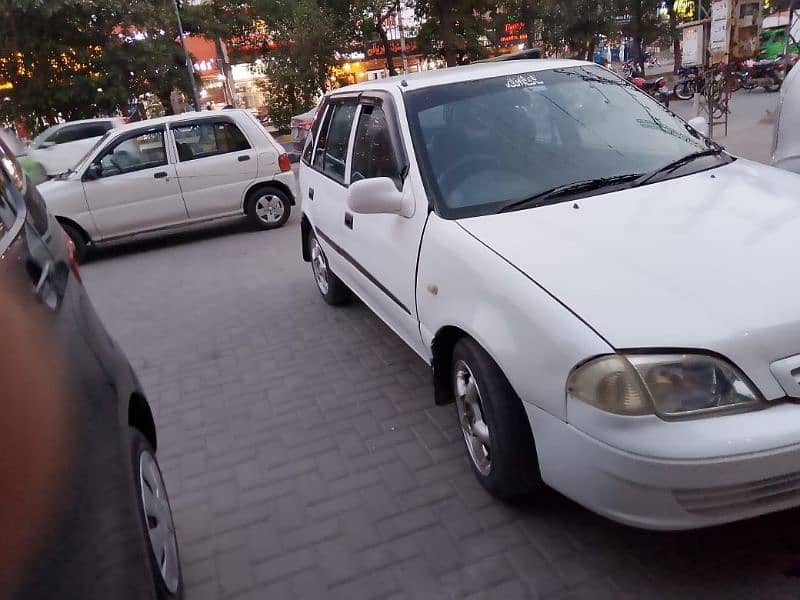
(550, 196)
(677, 163)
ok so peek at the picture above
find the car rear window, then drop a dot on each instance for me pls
(73, 133)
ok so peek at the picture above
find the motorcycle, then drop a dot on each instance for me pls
(689, 84)
(657, 88)
(762, 73)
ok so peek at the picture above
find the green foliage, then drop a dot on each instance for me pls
(306, 36)
(78, 58)
(454, 29)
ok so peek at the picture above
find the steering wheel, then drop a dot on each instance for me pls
(466, 166)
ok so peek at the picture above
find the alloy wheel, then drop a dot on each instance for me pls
(269, 208)
(158, 517)
(320, 266)
(471, 418)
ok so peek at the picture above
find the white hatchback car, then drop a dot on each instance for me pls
(61, 146)
(173, 171)
(602, 291)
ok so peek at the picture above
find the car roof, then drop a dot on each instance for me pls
(471, 72)
(203, 114)
(83, 122)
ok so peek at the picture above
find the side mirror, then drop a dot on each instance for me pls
(700, 124)
(378, 195)
(95, 171)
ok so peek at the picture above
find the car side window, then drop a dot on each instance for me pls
(373, 152)
(200, 139)
(80, 132)
(335, 151)
(144, 150)
(319, 153)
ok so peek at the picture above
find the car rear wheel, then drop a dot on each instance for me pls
(494, 424)
(333, 291)
(268, 208)
(157, 521)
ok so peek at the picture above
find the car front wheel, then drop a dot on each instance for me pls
(494, 424)
(157, 520)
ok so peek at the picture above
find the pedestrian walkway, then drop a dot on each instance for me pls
(750, 124)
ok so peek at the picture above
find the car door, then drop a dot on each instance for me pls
(132, 187)
(323, 186)
(383, 248)
(216, 163)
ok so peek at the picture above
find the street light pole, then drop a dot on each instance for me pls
(186, 53)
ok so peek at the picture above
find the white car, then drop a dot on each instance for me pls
(173, 171)
(602, 291)
(786, 136)
(60, 147)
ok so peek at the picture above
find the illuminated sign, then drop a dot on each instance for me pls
(376, 49)
(684, 9)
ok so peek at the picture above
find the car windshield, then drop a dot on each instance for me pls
(486, 143)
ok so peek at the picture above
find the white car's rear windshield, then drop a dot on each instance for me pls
(485, 143)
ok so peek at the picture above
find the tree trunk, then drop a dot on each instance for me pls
(387, 47)
(222, 60)
(529, 17)
(446, 22)
(638, 55)
(590, 46)
(673, 34)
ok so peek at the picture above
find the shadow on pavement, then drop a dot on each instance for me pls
(158, 241)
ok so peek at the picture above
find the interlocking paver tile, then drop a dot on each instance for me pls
(306, 460)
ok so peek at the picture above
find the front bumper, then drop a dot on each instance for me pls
(678, 488)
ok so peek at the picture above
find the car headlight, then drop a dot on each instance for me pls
(668, 385)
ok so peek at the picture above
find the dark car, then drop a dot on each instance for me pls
(109, 532)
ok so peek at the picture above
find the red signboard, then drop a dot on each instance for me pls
(513, 33)
(376, 49)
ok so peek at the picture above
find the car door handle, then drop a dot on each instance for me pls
(348, 220)
(310, 193)
(243, 158)
(160, 175)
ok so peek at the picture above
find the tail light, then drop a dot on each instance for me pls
(284, 163)
(662, 83)
(305, 124)
(73, 262)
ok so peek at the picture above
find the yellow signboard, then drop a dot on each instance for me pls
(685, 9)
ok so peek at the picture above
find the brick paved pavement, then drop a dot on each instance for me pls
(305, 457)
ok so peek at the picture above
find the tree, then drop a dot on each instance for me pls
(73, 59)
(453, 29)
(304, 38)
(373, 16)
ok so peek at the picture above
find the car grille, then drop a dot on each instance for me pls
(756, 495)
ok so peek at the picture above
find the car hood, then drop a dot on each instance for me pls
(704, 261)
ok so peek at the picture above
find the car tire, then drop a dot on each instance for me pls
(683, 91)
(330, 287)
(774, 85)
(488, 410)
(268, 207)
(155, 512)
(78, 241)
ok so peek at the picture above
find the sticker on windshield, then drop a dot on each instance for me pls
(523, 80)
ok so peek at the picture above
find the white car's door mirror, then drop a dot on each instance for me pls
(95, 171)
(700, 124)
(377, 195)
